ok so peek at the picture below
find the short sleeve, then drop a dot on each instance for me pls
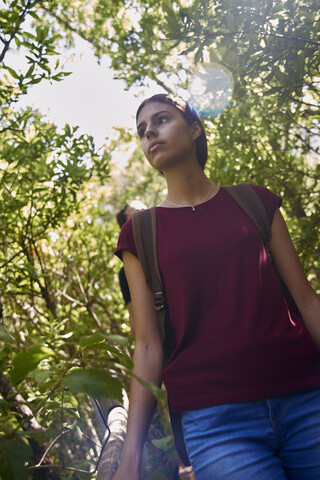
(269, 199)
(126, 240)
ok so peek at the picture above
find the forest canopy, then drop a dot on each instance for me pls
(64, 331)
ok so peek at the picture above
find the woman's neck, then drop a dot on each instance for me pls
(188, 186)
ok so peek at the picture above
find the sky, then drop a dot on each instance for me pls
(89, 97)
(93, 100)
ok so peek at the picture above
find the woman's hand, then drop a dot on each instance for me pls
(186, 473)
(148, 363)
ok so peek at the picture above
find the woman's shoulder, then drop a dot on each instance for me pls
(126, 240)
(270, 200)
(266, 194)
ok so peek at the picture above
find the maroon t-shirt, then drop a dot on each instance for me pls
(236, 339)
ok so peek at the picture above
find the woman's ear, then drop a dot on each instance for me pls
(196, 130)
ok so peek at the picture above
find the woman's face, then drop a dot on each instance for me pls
(166, 138)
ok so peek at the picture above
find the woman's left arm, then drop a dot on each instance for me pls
(289, 267)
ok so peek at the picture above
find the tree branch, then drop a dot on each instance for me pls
(28, 421)
(11, 258)
(15, 31)
(264, 34)
(61, 467)
(49, 448)
(87, 302)
(60, 20)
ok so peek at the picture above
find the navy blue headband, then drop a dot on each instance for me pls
(180, 103)
(192, 111)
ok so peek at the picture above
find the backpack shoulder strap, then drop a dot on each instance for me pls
(251, 204)
(145, 231)
(253, 207)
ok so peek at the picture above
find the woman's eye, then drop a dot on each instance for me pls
(162, 120)
(141, 132)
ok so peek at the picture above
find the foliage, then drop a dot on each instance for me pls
(56, 289)
(272, 50)
(268, 135)
(64, 331)
(38, 45)
(62, 308)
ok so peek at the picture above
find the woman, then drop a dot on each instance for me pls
(245, 371)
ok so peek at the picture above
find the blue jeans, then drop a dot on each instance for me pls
(273, 439)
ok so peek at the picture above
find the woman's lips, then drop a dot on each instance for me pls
(155, 147)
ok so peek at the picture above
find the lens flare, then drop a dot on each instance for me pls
(210, 90)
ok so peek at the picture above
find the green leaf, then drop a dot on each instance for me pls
(5, 335)
(119, 339)
(40, 376)
(272, 90)
(171, 18)
(25, 362)
(168, 8)
(165, 444)
(77, 433)
(94, 382)
(154, 389)
(30, 71)
(33, 14)
(198, 55)
(59, 76)
(14, 453)
(92, 339)
(34, 81)
(13, 72)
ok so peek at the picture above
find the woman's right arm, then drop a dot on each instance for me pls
(148, 363)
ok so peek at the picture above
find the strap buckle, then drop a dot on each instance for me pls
(158, 300)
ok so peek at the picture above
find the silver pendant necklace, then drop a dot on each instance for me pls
(193, 207)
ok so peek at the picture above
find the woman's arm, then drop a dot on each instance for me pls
(148, 363)
(131, 319)
(289, 267)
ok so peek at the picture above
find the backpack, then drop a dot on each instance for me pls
(144, 224)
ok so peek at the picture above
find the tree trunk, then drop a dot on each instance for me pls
(110, 457)
(116, 416)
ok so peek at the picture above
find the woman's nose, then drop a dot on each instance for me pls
(150, 131)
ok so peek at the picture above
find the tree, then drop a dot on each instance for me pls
(62, 319)
(272, 50)
(43, 173)
(268, 135)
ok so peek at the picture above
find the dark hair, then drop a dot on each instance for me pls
(121, 215)
(190, 116)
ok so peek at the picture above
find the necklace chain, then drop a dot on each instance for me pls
(190, 205)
